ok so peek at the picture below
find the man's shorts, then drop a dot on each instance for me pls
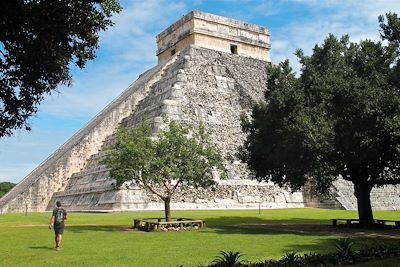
(59, 230)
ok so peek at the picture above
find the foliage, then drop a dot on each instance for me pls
(390, 28)
(5, 187)
(344, 255)
(390, 31)
(228, 259)
(315, 259)
(344, 247)
(164, 164)
(38, 42)
(379, 250)
(340, 117)
(291, 259)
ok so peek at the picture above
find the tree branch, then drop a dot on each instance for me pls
(176, 185)
(154, 191)
(165, 185)
(388, 182)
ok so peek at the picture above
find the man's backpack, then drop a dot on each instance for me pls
(59, 218)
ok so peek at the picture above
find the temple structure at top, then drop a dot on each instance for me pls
(214, 32)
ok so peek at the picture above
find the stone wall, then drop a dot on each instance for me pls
(383, 198)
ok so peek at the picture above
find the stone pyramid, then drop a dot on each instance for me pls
(211, 69)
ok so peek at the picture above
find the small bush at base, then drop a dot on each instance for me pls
(228, 259)
(344, 247)
(344, 255)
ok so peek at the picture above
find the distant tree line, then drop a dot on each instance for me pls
(5, 187)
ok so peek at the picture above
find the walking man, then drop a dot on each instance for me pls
(57, 221)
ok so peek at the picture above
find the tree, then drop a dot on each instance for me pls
(390, 28)
(5, 187)
(390, 31)
(38, 42)
(340, 117)
(162, 165)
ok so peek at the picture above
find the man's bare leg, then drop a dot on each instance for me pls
(58, 241)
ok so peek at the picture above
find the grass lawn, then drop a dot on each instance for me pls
(94, 239)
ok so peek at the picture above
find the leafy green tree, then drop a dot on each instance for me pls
(390, 28)
(5, 187)
(340, 117)
(390, 31)
(38, 42)
(164, 164)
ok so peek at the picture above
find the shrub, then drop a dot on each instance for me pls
(344, 255)
(228, 259)
(291, 259)
(344, 247)
(379, 250)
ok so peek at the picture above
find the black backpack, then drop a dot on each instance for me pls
(59, 218)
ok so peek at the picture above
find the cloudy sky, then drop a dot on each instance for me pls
(128, 49)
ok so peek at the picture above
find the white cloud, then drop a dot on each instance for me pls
(359, 19)
(138, 18)
(368, 9)
(23, 152)
(266, 8)
(90, 93)
(14, 172)
(126, 50)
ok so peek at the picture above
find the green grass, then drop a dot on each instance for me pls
(94, 239)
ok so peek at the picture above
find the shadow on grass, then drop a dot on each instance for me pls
(97, 228)
(225, 222)
(323, 232)
(42, 248)
(296, 226)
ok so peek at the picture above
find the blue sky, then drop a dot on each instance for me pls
(128, 49)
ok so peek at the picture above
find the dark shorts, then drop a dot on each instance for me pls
(58, 230)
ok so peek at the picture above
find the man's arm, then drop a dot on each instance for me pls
(51, 222)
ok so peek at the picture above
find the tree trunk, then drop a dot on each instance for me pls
(167, 205)
(362, 192)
